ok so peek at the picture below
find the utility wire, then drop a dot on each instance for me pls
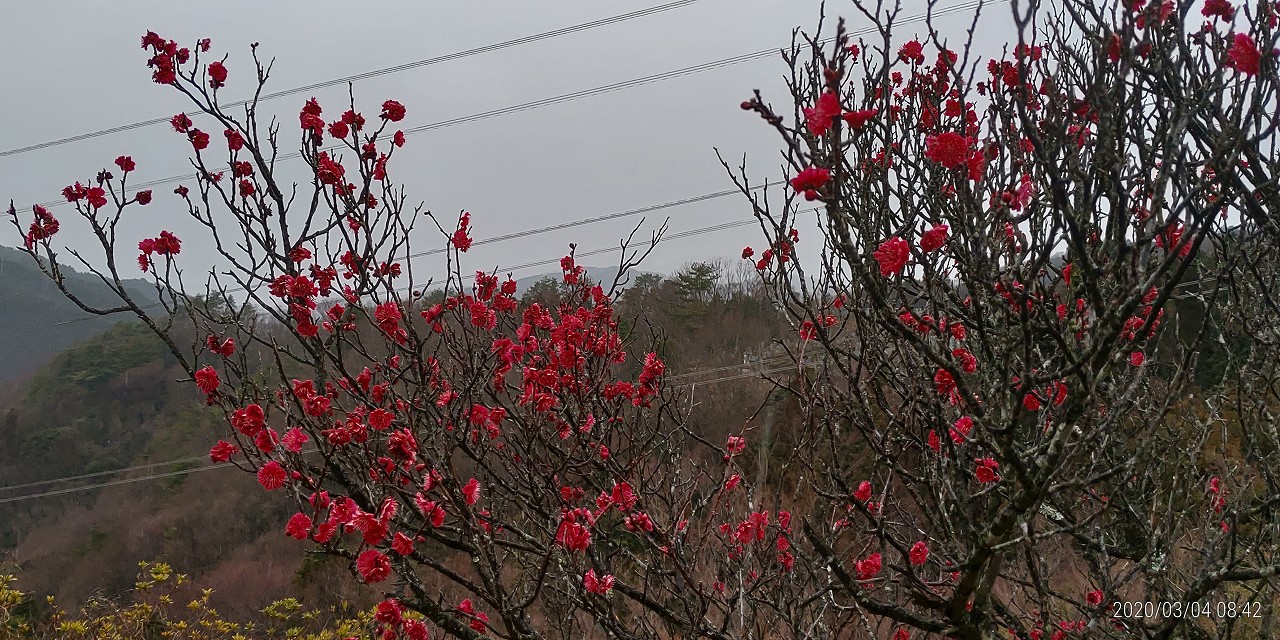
(567, 97)
(502, 238)
(684, 234)
(457, 55)
(194, 459)
(224, 465)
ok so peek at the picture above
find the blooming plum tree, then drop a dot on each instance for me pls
(1024, 260)
(1032, 254)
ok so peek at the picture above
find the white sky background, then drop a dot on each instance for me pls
(72, 67)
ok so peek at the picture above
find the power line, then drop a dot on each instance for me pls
(611, 216)
(457, 55)
(525, 106)
(99, 474)
(194, 459)
(567, 97)
(684, 234)
(224, 465)
(502, 238)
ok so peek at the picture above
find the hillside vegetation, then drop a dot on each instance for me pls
(115, 400)
(37, 322)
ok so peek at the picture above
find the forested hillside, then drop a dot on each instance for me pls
(37, 322)
(115, 401)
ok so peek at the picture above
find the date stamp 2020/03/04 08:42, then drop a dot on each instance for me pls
(1195, 609)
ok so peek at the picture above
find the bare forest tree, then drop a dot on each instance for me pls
(1032, 392)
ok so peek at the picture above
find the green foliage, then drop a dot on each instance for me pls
(545, 291)
(98, 360)
(93, 544)
(697, 282)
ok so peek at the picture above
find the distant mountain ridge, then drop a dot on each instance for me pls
(37, 322)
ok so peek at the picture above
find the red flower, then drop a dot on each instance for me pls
(97, 197)
(1094, 598)
(858, 119)
(1221, 9)
(869, 568)
(43, 226)
(968, 362)
(235, 141)
(152, 39)
(919, 553)
(402, 544)
(652, 370)
(818, 119)
(249, 420)
(948, 149)
(373, 566)
(1059, 389)
(747, 253)
(934, 238)
(181, 123)
(207, 380)
(471, 492)
(393, 111)
(224, 348)
(125, 163)
(892, 255)
(74, 193)
(272, 476)
(299, 526)
(217, 75)
(222, 451)
(1137, 358)
(1243, 55)
(1031, 401)
(573, 536)
(381, 419)
(313, 123)
(943, 382)
(912, 52)
(934, 442)
(328, 171)
(810, 179)
(167, 244)
(622, 496)
(808, 331)
(388, 317)
(596, 585)
(199, 139)
(165, 72)
(986, 471)
(143, 197)
(960, 430)
(461, 238)
(294, 439)
(389, 612)
(863, 494)
(398, 139)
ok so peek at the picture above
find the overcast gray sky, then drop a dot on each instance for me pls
(73, 67)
